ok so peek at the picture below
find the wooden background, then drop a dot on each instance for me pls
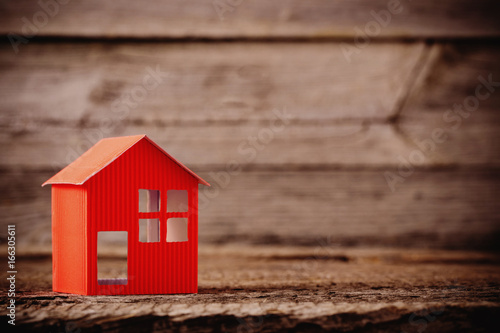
(223, 76)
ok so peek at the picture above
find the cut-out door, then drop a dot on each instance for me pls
(112, 258)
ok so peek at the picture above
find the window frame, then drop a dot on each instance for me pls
(162, 215)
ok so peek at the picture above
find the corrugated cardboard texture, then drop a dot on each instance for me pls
(109, 201)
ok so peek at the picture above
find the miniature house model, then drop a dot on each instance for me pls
(129, 189)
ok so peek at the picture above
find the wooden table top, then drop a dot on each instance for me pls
(259, 288)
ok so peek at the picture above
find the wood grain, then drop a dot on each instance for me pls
(254, 144)
(455, 74)
(269, 289)
(254, 19)
(447, 208)
(201, 82)
(60, 98)
(349, 145)
(321, 178)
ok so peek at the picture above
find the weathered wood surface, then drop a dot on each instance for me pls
(264, 289)
(450, 208)
(53, 110)
(322, 175)
(252, 19)
(200, 82)
(54, 147)
(455, 74)
(58, 99)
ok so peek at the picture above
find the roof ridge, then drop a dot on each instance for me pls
(88, 172)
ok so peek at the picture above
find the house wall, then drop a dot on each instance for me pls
(69, 238)
(153, 268)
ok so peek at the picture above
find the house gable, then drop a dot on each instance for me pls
(103, 153)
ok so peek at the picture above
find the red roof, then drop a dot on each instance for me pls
(102, 154)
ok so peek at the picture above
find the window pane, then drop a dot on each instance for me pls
(149, 201)
(177, 230)
(177, 201)
(149, 230)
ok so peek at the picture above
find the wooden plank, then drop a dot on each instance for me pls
(258, 288)
(450, 209)
(248, 19)
(447, 208)
(200, 82)
(250, 144)
(256, 144)
(238, 86)
(475, 142)
(451, 78)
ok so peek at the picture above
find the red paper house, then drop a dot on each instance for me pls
(130, 188)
